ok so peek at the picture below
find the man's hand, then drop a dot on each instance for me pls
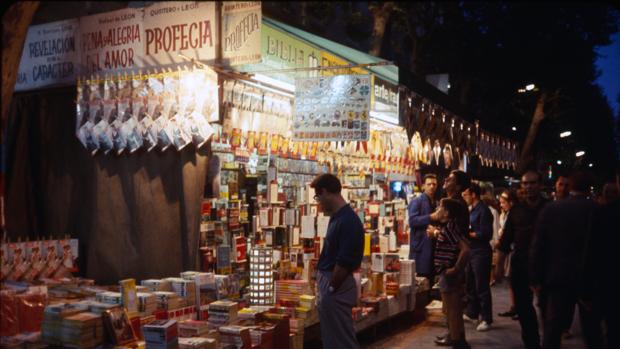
(432, 231)
(472, 234)
(338, 276)
(451, 271)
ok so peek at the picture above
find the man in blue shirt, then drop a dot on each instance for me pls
(342, 253)
(479, 269)
(420, 245)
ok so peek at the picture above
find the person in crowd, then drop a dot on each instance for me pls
(341, 255)
(450, 260)
(487, 196)
(556, 255)
(599, 299)
(610, 193)
(421, 246)
(506, 199)
(479, 302)
(452, 287)
(519, 230)
(561, 188)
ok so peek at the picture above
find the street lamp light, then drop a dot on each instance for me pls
(514, 128)
(580, 153)
(559, 162)
(565, 134)
(530, 87)
(590, 165)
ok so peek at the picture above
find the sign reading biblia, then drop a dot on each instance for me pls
(132, 39)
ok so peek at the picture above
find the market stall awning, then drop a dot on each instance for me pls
(388, 72)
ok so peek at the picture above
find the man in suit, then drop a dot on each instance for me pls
(421, 246)
(557, 255)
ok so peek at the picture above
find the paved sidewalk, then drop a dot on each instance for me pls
(505, 332)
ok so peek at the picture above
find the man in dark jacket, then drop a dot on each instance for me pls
(519, 230)
(557, 256)
(421, 246)
(479, 302)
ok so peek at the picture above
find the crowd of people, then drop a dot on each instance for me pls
(554, 251)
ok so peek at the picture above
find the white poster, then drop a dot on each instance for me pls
(173, 27)
(49, 55)
(241, 32)
(112, 42)
(332, 108)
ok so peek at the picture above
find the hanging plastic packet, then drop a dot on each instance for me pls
(81, 110)
(179, 125)
(94, 111)
(102, 129)
(164, 123)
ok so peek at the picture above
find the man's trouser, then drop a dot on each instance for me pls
(523, 303)
(478, 285)
(335, 314)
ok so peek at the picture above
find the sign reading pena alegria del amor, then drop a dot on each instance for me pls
(173, 27)
(49, 55)
(241, 32)
(112, 42)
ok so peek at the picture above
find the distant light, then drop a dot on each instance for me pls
(448, 85)
(521, 90)
(530, 87)
(559, 162)
(514, 128)
(590, 165)
(565, 134)
(580, 153)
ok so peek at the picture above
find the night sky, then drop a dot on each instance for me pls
(609, 64)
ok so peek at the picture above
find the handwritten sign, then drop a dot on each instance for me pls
(173, 27)
(49, 55)
(241, 32)
(111, 42)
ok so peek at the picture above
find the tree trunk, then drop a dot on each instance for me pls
(527, 152)
(15, 23)
(381, 14)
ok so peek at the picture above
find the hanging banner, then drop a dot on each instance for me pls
(283, 51)
(384, 100)
(111, 42)
(241, 32)
(49, 55)
(173, 27)
(329, 60)
(332, 108)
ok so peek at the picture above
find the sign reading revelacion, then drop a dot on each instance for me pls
(241, 32)
(49, 54)
(332, 108)
(111, 42)
(179, 26)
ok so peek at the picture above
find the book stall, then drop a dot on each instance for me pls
(260, 231)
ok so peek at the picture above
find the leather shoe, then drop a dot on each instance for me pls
(447, 335)
(509, 313)
(445, 342)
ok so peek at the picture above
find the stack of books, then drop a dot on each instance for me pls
(147, 303)
(193, 328)
(222, 313)
(307, 301)
(100, 307)
(197, 343)
(156, 285)
(289, 291)
(184, 288)
(83, 330)
(109, 297)
(52, 320)
(407, 272)
(237, 336)
(161, 334)
(168, 300)
(296, 325)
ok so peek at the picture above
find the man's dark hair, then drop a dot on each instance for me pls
(474, 188)
(580, 181)
(462, 179)
(327, 182)
(429, 175)
(538, 175)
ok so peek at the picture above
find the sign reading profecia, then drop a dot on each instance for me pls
(49, 55)
(241, 34)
